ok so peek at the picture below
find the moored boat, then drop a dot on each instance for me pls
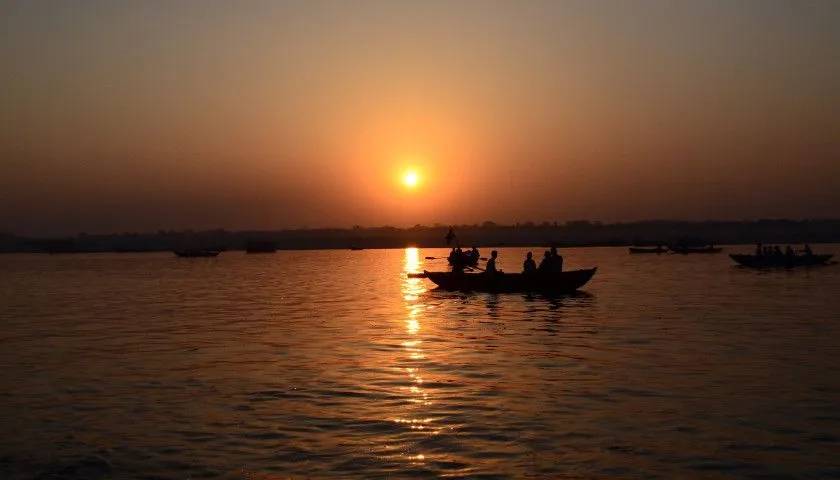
(780, 261)
(260, 247)
(687, 250)
(648, 250)
(196, 252)
(563, 282)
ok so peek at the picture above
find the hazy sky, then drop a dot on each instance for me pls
(122, 115)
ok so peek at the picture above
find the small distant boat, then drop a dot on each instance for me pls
(687, 250)
(197, 252)
(356, 248)
(464, 259)
(260, 247)
(564, 282)
(656, 250)
(780, 261)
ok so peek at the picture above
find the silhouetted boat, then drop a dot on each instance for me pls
(464, 259)
(687, 250)
(356, 248)
(564, 282)
(648, 249)
(780, 261)
(260, 247)
(196, 252)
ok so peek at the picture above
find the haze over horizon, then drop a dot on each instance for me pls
(139, 116)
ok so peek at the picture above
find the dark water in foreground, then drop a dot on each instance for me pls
(332, 363)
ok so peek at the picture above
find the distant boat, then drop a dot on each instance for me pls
(463, 259)
(196, 252)
(260, 247)
(687, 250)
(356, 248)
(656, 250)
(780, 261)
(564, 282)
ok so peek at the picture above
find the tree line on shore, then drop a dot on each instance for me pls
(566, 234)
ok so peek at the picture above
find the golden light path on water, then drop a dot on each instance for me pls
(412, 290)
(329, 364)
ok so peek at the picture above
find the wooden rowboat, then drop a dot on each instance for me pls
(781, 261)
(648, 250)
(194, 253)
(564, 282)
(465, 259)
(687, 250)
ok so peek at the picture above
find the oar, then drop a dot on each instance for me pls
(416, 275)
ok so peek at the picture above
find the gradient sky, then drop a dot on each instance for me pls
(138, 116)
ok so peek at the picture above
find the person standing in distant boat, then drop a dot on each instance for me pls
(450, 236)
(529, 266)
(491, 264)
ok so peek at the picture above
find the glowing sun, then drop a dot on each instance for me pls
(411, 179)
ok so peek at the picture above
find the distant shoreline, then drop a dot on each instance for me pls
(486, 235)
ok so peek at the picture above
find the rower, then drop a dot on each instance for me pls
(529, 266)
(491, 264)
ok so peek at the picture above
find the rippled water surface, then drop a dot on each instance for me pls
(334, 364)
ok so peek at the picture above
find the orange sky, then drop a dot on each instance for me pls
(146, 115)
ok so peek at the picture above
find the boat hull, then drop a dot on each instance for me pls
(196, 253)
(656, 250)
(687, 250)
(463, 261)
(776, 261)
(565, 282)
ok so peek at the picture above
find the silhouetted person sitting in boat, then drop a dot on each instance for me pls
(789, 251)
(545, 263)
(807, 250)
(458, 267)
(474, 254)
(777, 251)
(491, 264)
(758, 250)
(529, 266)
(556, 261)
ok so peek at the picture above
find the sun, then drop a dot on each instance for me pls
(411, 179)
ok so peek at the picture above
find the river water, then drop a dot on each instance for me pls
(322, 364)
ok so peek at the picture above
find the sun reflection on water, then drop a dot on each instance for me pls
(418, 396)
